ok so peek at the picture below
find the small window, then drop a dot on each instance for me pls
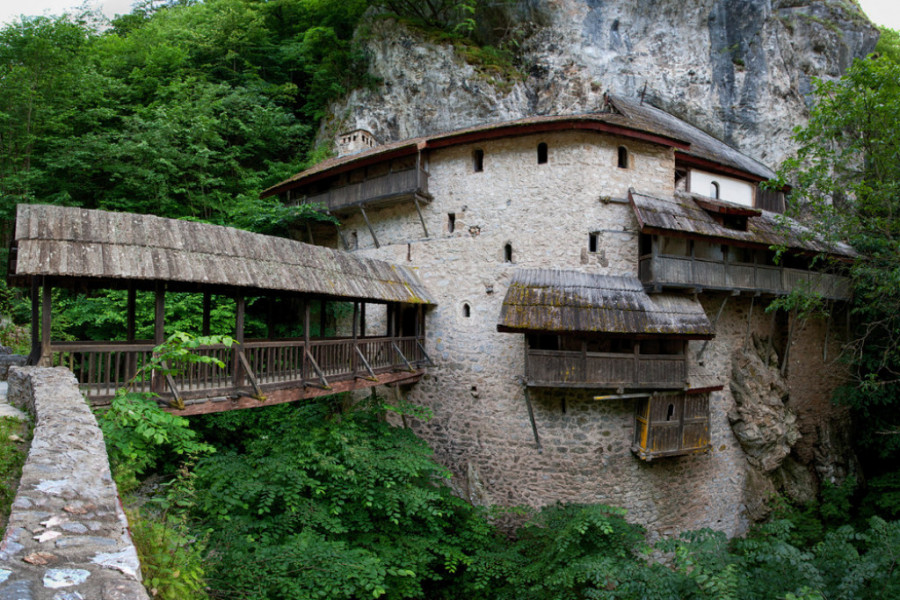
(451, 222)
(670, 412)
(478, 161)
(623, 157)
(542, 153)
(594, 242)
(507, 253)
(714, 189)
(467, 310)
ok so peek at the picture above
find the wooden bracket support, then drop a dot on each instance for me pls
(537, 439)
(409, 367)
(319, 372)
(248, 372)
(425, 354)
(368, 367)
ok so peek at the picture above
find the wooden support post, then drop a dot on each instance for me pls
(130, 312)
(46, 305)
(35, 355)
(715, 321)
(421, 218)
(749, 319)
(537, 440)
(362, 320)
(772, 324)
(157, 383)
(369, 225)
(237, 367)
(304, 369)
(787, 346)
(354, 361)
(207, 309)
(130, 357)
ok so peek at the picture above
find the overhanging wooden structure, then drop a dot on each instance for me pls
(90, 249)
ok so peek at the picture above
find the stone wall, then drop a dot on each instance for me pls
(67, 536)
(481, 429)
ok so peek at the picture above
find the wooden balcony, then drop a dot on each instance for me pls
(392, 188)
(259, 371)
(604, 370)
(665, 271)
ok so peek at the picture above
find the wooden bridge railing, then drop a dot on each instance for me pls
(103, 367)
(559, 368)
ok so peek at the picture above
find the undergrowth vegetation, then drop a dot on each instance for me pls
(329, 500)
(14, 437)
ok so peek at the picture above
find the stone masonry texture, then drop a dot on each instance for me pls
(547, 212)
(67, 536)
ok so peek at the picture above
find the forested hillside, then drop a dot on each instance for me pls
(188, 110)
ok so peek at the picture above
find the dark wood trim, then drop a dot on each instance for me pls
(683, 159)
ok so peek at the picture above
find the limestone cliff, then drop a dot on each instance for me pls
(740, 69)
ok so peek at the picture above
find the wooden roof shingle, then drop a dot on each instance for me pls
(569, 302)
(682, 215)
(66, 242)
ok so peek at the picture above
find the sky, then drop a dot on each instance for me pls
(882, 12)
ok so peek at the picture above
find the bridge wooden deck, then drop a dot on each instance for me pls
(255, 373)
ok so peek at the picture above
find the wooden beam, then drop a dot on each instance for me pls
(207, 308)
(35, 355)
(157, 383)
(534, 431)
(46, 305)
(237, 367)
(421, 218)
(369, 225)
(293, 394)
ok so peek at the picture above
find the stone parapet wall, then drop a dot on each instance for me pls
(67, 536)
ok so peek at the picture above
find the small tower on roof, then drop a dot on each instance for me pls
(355, 141)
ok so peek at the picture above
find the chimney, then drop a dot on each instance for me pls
(355, 141)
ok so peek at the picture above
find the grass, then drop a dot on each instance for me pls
(15, 436)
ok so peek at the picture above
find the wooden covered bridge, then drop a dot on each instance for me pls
(88, 250)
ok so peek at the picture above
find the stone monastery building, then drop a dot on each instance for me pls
(601, 282)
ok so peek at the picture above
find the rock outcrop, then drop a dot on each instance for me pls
(740, 69)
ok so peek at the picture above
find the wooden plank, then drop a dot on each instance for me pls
(46, 306)
(294, 394)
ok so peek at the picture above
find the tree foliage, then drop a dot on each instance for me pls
(847, 175)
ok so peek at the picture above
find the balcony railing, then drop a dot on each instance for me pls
(387, 189)
(703, 273)
(103, 367)
(605, 370)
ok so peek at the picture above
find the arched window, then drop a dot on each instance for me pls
(714, 189)
(467, 310)
(478, 160)
(623, 157)
(542, 153)
(507, 253)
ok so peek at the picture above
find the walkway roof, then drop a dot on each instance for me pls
(106, 249)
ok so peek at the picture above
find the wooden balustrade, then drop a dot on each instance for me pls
(558, 368)
(103, 367)
(704, 273)
(395, 186)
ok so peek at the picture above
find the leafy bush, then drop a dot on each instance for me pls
(306, 503)
(172, 558)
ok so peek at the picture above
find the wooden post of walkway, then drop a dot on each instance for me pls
(35, 355)
(157, 381)
(306, 349)
(238, 369)
(207, 309)
(131, 357)
(354, 360)
(46, 350)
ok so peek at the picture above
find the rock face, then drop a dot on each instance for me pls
(740, 69)
(764, 426)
